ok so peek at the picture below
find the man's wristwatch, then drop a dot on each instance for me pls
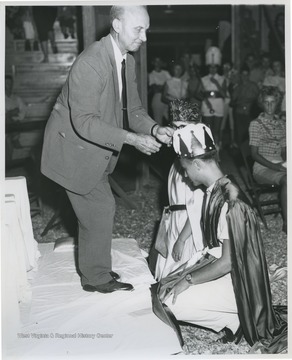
(188, 278)
(154, 130)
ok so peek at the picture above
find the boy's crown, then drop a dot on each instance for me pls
(193, 140)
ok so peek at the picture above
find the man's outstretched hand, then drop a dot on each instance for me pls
(148, 144)
(163, 134)
(145, 143)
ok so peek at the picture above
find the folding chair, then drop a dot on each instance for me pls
(256, 190)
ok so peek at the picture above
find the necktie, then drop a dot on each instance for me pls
(124, 97)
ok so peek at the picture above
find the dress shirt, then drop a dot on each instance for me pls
(119, 58)
(222, 230)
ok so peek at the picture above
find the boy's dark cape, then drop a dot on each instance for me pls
(261, 323)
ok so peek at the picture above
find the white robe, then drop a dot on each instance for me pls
(180, 193)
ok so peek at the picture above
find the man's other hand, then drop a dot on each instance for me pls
(144, 143)
(164, 134)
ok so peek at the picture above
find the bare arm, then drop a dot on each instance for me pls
(219, 268)
(180, 242)
(210, 272)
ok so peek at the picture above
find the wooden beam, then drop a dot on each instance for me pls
(235, 37)
(25, 126)
(142, 81)
(89, 27)
(182, 29)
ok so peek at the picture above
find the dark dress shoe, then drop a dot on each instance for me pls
(115, 275)
(108, 287)
(229, 337)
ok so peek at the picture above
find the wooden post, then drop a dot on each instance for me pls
(142, 82)
(235, 31)
(89, 27)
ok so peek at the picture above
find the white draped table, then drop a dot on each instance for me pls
(19, 255)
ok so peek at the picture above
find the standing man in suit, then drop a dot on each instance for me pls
(86, 131)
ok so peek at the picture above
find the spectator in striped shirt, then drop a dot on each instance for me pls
(267, 135)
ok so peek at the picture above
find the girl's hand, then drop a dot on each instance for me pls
(178, 250)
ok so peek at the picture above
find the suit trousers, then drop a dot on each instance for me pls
(95, 213)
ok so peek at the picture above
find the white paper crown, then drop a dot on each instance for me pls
(193, 140)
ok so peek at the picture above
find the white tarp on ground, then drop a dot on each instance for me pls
(63, 320)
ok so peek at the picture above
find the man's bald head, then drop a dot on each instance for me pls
(118, 12)
(128, 27)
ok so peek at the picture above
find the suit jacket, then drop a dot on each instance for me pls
(84, 135)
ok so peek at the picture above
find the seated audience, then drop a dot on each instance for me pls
(186, 61)
(228, 288)
(265, 68)
(175, 87)
(157, 79)
(267, 136)
(255, 74)
(228, 73)
(195, 87)
(258, 70)
(244, 96)
(277, 79)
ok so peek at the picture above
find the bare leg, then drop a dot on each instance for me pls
(51, 35)
(44, 47)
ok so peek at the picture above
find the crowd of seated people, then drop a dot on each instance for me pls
(226, 95)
